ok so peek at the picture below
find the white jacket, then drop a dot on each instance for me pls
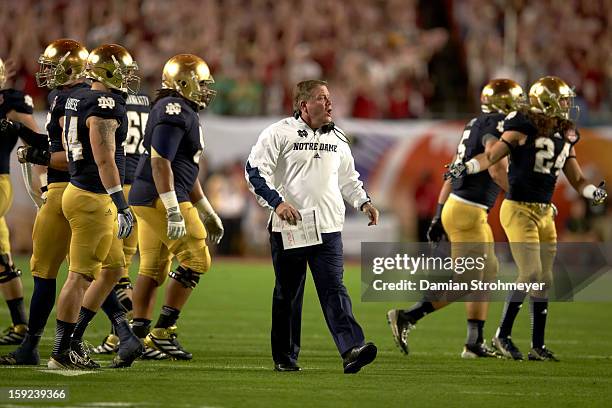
(292, 163)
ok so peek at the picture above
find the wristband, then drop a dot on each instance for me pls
(472, 166)
(116, 194)
(169, 199)
(589, 191)
(204, 206)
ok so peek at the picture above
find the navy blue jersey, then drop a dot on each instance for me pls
(57, 101)
(534, 166)
(480, 187)
(138, 107)
(11, 100)
(80, 105)
(183, 152)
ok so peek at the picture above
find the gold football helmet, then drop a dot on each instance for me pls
(551, 96)
(2, 74)
(190, 76)
(502, 96)
(112, 65)
(62, 62)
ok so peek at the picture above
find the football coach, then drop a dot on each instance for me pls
(300, 162)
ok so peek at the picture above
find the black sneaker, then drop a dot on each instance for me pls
(506, 347)
(541, 354)
(478, 350)
(165, 341)
(286, 367)
(13, 335)
(358, 357)
(21, 356)
(128, 352)
(82, 349)
(400, 329)
(109, 345)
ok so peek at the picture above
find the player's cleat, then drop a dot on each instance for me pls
(13, 335)
(165, 341)
(153, 354)
(358, 357)
(478, 350)
(400, 328)
(286, 367)
(128, 352)
(541, 354)
(70, 360)
(506, 347)
(21, 356)
(82, 349)
(109, 345)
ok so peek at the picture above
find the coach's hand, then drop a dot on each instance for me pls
(125, 219)
(287, 212)
(176, 223)
(371, 212)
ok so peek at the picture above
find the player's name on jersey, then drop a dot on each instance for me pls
(72, 104)
(137, 100)
(322, 147)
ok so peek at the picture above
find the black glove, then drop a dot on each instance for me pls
(436, 232)
(35, 155)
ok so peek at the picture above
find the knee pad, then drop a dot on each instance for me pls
(185, 276)
(9, 272)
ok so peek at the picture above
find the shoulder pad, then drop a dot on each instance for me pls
(18, 101)
(519, 122)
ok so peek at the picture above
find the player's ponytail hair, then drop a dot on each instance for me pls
(165, 92)
(548, 125)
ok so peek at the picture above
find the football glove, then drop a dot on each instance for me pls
(31, 154)
(125, 219)
(455, 171)
(600, 195)
(436, 232)
(214, 227)
(176, 223)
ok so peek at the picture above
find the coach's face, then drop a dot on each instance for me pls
(319, 107)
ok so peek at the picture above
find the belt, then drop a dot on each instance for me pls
(541, 208)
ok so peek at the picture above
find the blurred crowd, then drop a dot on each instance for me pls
(568, 38)
(383, 58)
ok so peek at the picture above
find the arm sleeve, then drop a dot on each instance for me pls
(350, 184)
(106, 107)
(165, 141)
(260, 168)
(32, 138)
(519, 122)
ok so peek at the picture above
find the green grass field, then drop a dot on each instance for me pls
(226, 325)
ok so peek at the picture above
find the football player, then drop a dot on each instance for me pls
(462, 214)
(61, 66)
(540, 142)
(138, 107)
(96, 209)
(165, 186)
(14, 106)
